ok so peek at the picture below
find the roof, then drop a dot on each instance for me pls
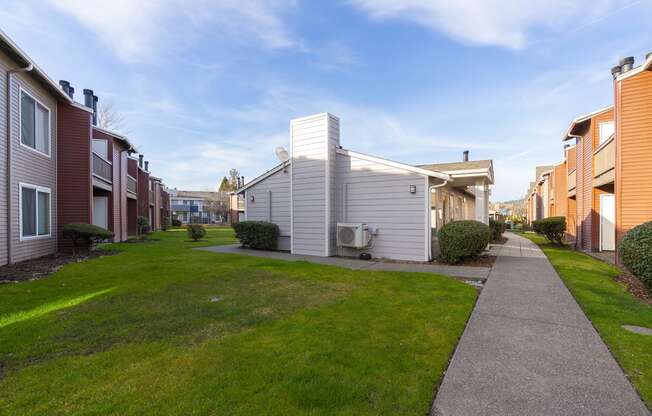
(117, 136)
(196, 194)
(540, 170)
(471, 168)
(435, 173)
(581, 119)
(19, 56)
(264, 175)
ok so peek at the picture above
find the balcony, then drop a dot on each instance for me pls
(604, 161)
(132, 186)
(102, 168)
(572, 182)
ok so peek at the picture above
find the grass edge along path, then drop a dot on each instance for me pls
(609, 306)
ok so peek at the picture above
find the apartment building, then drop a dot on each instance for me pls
(202, 207)
(56, 165)
(607, 157)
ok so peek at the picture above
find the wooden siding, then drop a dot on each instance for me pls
(634, 153)
(379, 196)
(311, 139)
(143, 193)
(278, 186)
(560, 191)
(28, 166)
(74, 187)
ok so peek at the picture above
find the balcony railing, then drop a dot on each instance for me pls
(572, 180)
(102, 168)
(604, 159)
(132, 185)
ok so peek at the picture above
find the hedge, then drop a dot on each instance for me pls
(460, 240)
(85, 235)
(259, 235)
(636, 252)
(196, 231)
(497, 228)
(553, 228)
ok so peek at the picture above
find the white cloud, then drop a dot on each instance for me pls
(505, 23)
(139, 30)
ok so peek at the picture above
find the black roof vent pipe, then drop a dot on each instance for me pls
(616, 70)
(95, 110)
(627, 64)
(140, 161)
(65, 86)
(147, 165)
(465, 157)
(88, 98)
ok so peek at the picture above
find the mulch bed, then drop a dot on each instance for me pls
(484, 260)
(502, 240)
(42, 267)
(634, 286)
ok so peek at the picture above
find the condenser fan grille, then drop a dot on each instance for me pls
(347, 235)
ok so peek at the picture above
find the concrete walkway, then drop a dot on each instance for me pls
(528, 349)
(465, 272)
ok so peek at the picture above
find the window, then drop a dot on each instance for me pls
(34, 211)
(101, 147)
(606, 131)
(34, 124)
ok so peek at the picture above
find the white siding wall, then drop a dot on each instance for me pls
(313, 141)
(28, 166)
(379, 196)
(258, 210)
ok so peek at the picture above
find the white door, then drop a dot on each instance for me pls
(101, 211)
(607, 222)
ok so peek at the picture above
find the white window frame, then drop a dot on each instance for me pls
(21, 90)
(600, 125)
(38, 189)
(106, 143)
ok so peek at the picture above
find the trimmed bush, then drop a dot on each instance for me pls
(85, 235)
(497, 228)
(259, 235)
(553, 228)
(636, 252)
(460, 240)
(176, 222)
(143, 225)
(196, 231)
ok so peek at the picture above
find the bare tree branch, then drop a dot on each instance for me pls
(109, 118)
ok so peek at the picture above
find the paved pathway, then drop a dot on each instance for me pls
(466, 272)
(529, 350)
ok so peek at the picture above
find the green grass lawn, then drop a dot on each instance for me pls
(609, 306)
(137, 333)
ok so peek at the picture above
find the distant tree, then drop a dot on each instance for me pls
(225, 185)
(109, 118)
(233, 178)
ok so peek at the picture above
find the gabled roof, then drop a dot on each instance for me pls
(435, 173)
(570, 132)
(471, 168)
(264, 175)
(118, 136)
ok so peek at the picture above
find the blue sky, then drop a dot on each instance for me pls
(210, 85)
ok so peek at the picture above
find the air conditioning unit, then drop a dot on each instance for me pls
(352, 235)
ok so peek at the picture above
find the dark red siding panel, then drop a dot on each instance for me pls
(74, 201)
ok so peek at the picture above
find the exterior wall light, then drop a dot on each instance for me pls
(413, 189)
(252, 199)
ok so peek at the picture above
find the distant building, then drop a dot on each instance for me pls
(203, 207)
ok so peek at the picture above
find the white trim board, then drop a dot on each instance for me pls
(398, 165)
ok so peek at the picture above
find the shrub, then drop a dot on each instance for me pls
(176, 222)
(460, 240)
(259, 235)
(165, 224)
(553, 228)
(85, 235)
(143, 225)
(196, 231)
(636, 252)
(497, 228)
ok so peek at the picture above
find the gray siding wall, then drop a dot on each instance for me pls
(313, 140)
(379, 196)
(278, 187)
(29, 166)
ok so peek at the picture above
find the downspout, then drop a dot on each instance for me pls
(28, 68)
(430, 188)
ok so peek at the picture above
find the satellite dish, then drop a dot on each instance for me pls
(282, 154)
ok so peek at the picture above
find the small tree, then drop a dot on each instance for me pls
(85, 235)
(143, 225)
